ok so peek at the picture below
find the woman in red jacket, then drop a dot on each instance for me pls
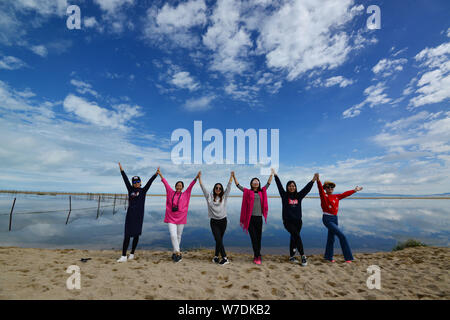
(330, 205)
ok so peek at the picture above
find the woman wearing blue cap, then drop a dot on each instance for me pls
(135, 212)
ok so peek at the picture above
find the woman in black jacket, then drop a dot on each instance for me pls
(135, 212)
(292, 214)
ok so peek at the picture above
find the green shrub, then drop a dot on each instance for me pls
(408, 244)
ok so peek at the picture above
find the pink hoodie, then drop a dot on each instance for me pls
(247, 206)
(180, 216)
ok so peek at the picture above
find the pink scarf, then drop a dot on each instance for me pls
(247, 206)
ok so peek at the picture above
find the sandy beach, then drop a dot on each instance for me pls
(412, 273)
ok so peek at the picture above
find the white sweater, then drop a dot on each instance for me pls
(217, 209)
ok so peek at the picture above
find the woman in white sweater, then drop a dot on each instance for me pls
(217, 212)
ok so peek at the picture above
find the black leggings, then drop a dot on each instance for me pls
(255, 231)
(126, 242)
(294, 227)
(218, 228)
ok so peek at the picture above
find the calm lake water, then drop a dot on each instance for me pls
(370, 225)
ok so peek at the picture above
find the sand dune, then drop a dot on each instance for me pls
(413, 273)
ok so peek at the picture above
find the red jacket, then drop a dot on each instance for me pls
(330, 202)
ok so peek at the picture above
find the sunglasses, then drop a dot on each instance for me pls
(218, 188)
(329, 187)
(139, 181)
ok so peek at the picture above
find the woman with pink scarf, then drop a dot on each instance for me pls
(177, 204)
(254, 207)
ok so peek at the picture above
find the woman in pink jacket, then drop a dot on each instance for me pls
(254, 208)
(177, 204)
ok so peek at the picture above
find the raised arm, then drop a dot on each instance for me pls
(320, 187)
(236, 182)
(164, 181)
(191, 185)
(279, 185)
(306, 189)
(269, 181)
(228, 188)
(150, 181)
(205, 192)
(348, 193)
(125, 178)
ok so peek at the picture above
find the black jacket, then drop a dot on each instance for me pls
(292, 202)
(136, 204)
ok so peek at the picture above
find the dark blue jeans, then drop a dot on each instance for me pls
(331, 222)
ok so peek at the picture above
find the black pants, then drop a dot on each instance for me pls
(294, 227)
(255, 231)
(126, 243)
(218, 228)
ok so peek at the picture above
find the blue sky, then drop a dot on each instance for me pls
(360, 106)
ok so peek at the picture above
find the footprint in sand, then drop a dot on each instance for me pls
(331, 283)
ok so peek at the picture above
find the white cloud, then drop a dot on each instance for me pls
(422, 132)
(14, 100)
(242, 92)
(184, 80)
(375, 96)
(185, 15)
(43, 7)
(433, 85)
(333, 81)
(199, 104)
(291, 37)
(40, 50)
(301, 36)
(90, 22)
(338, 80)
(175, 23)
(112, 6)
(92, 113)
(11, 63)
(114, 16)
(228, 38)
(83, 87)
(11, 28)
(62, 154)
(386, 67)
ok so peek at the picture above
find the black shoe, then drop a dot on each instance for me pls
(293, 260)
(178, 258)
(304, 261)
(215, 259)
(174, 256)
(224, 261)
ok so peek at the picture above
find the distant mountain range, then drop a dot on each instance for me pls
(362, 194)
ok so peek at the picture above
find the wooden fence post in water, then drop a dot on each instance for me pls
(114, 206)
(70, 208)
(98, 208)
(10, 215)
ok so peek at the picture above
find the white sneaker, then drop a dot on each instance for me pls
(293, 260)
(122, 259)
(131, 257)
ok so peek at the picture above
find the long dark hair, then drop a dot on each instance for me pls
(287, 185)
(259, 187)
(221, 192)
